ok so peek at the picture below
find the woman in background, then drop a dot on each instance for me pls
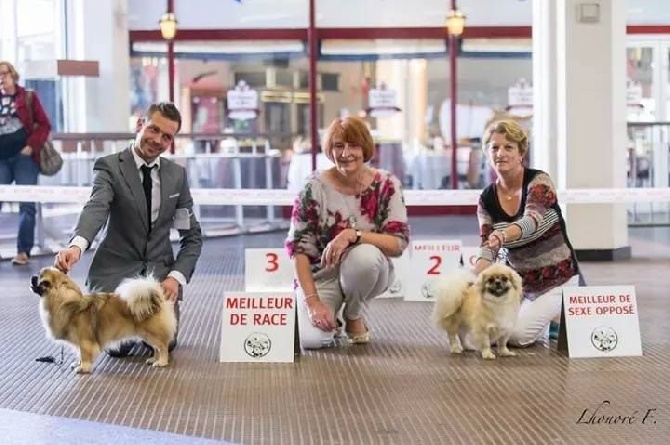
(24, 128)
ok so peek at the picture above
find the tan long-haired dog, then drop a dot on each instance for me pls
(484, 306)
(91, 321)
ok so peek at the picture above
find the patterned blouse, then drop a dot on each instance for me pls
(320, 213)
(543, 256)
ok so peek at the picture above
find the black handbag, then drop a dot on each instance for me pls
(51, 160)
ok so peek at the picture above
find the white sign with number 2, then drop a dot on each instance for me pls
(429, 260)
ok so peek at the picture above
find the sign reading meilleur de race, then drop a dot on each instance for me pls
(258, 327)
(600, 321)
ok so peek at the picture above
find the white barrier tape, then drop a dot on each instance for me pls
(280, 197)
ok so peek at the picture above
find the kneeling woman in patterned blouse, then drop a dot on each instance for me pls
(520, 213)
(347, 222)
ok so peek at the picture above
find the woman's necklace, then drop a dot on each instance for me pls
(508, 195)
(353, 219)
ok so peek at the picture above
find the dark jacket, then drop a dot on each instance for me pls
(38, 130)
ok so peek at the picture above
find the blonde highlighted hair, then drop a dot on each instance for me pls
(351, 130)
(512, 132)
(11, 69)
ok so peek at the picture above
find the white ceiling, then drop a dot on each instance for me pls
(233, 14)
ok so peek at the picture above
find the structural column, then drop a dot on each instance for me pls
(590, 116)
(394, 74)
(99, 31)
(545, 89)
(8, 39)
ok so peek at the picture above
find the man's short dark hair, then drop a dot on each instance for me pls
(167, 110)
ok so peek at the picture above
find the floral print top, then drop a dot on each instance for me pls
(320, 213)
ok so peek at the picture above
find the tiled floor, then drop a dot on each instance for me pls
(403, 388)
(22, 428)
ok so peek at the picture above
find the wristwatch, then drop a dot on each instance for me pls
(358, 237)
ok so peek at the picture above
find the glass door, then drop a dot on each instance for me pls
(648, 63)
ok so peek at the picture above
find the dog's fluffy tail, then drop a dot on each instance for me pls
(144, 296)
(448, 293)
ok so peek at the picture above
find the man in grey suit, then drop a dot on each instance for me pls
(140, 196)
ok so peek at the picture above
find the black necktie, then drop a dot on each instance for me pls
(146, 184)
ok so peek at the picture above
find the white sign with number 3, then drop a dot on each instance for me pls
(267, 270)
(429, 260)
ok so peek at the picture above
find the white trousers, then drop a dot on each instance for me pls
(535, 315)
(363, 274)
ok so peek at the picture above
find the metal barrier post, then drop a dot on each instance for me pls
(268, 185)
(193, 183)
(237, 178)
(78, 169)
(39, 226)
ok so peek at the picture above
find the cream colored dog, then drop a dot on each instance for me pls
(91, 321)
(485, 306)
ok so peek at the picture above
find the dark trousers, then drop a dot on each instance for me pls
(22, 170)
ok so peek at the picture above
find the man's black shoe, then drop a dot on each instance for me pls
(122, 350)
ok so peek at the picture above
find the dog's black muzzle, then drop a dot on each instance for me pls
(498, 288)
(35, 286)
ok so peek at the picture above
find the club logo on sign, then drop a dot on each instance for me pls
(604, 339)
(425, 291)
(257, 345)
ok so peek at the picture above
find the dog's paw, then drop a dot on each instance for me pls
(468, 346)
(157, 363)
(488, 355)
(504, 352)
(82, 369)
(455, 345)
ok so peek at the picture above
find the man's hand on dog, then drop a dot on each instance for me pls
(66, 258)
(171, 288)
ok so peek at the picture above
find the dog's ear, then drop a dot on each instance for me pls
(516, 280)
(480, 282)
(517, 283)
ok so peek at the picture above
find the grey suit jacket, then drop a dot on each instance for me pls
(128, 248)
